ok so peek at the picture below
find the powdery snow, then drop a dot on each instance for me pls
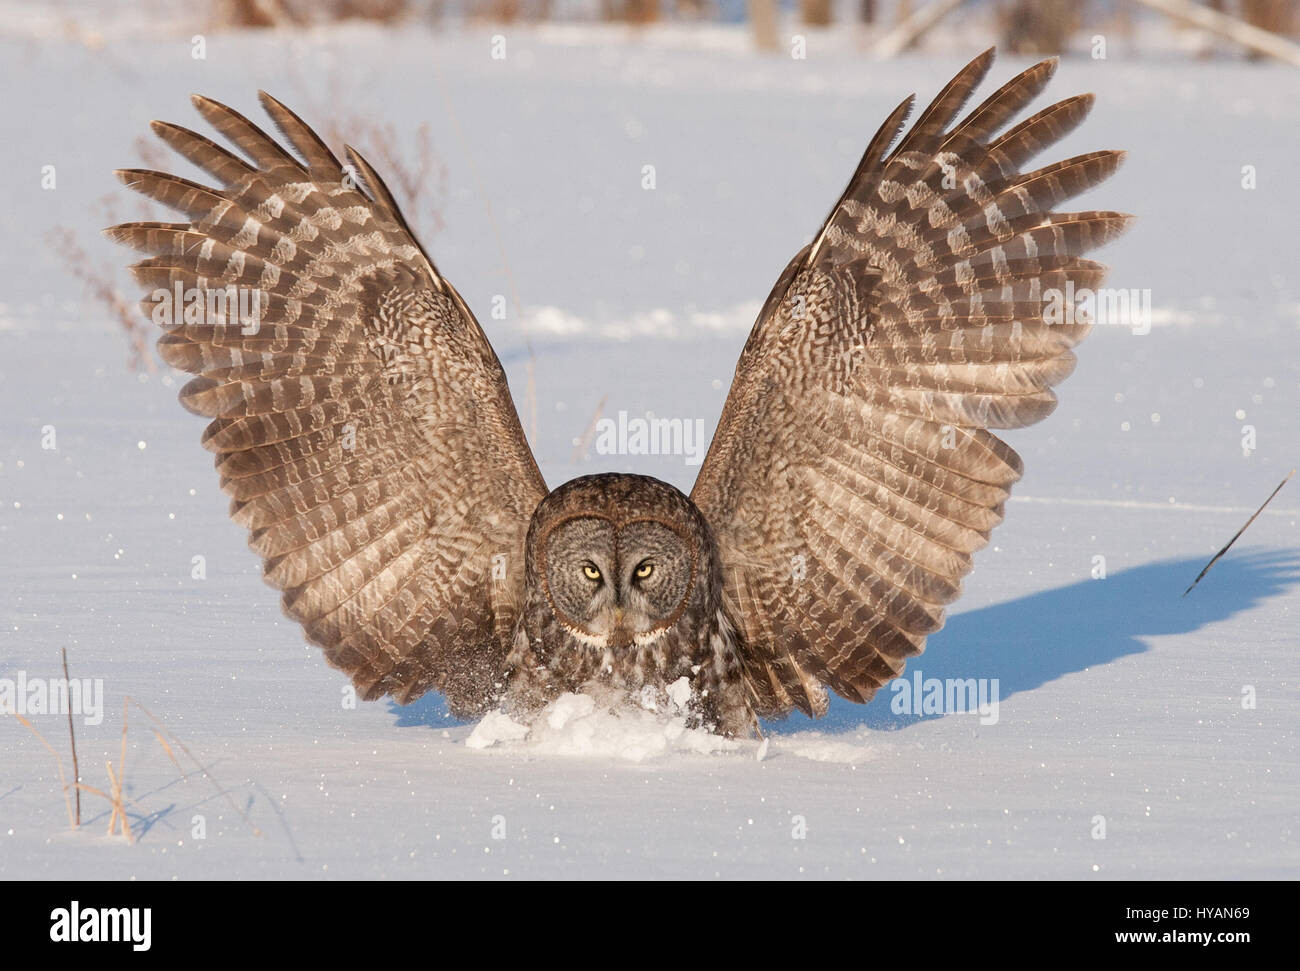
(578, 724)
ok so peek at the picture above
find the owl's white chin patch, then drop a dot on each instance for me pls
(587, 638)
(649, 637)
(606, 640)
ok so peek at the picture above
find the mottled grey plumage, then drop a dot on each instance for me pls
(634, 634)
(368, 441)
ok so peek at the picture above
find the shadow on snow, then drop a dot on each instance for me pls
(1032, 640)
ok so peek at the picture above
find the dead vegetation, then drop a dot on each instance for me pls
(119, 821)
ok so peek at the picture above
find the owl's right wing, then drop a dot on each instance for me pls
(852, 474)
(362, 423)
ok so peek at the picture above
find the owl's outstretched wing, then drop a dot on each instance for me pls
(852, 475)
(363, 427)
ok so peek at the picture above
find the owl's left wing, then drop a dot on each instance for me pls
(852, 474)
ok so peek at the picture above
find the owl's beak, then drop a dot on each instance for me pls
(620, 637)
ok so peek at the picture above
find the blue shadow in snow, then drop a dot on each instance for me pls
(429, 710)
(1026, 642)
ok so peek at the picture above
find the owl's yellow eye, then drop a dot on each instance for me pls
(590, 572)
(644, 570)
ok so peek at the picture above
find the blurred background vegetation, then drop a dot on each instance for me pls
(1256, 28)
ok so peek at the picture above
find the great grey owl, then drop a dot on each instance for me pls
(365, 433)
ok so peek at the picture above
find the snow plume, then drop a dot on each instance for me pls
(578, 724)
(584, 725)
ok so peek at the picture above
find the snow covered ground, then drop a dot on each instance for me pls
(1118, 699)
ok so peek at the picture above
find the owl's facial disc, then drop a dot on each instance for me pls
(614, 587)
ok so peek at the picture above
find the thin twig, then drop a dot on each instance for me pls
(116, 803)
(113, 801)
(580, 447)
(72, 736)
(119, 808)
(1239, 532)
(122, 773)
(168, 749)
(100, 284)
(58, 760)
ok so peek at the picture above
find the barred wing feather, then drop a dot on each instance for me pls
(361, 422)
(853, 473)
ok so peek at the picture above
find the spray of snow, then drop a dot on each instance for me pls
(580, 725)
(585, 726)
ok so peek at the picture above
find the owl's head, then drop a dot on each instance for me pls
(620, 558)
